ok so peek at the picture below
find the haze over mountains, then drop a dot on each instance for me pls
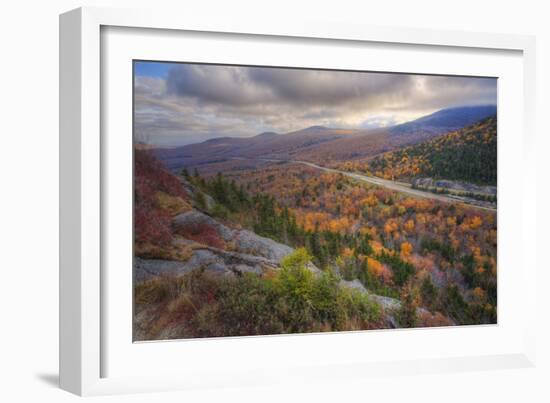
(321, 144)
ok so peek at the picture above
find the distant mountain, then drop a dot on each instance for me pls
(267, 134)
(372, 142)
(322, 144)
(267, 145)
(445, 120)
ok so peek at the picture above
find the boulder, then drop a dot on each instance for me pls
(209, 260)
(242, 241)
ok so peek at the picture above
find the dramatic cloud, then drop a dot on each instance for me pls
(187, 103)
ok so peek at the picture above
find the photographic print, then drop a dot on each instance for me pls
(275, 200)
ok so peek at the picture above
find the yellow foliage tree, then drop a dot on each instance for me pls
(406, 249)
(476, 222)
(409, 226)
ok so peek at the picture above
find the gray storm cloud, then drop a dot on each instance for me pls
(197, 102)
(244, 86)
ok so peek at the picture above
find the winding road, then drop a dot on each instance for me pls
(393, 185)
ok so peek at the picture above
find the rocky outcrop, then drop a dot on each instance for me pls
(241, 240)
(387, 303)
(211, 260)
(207, 259)
(241, 250)
(390, 306)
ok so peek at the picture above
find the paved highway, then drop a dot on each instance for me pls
(393, 185)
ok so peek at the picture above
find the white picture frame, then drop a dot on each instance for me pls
(83, 173)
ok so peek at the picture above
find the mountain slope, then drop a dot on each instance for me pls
(377, 141)
(445, 120)
(468, 154)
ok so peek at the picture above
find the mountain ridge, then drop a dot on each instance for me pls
(448, 119)
(323, 144)
(468, 154)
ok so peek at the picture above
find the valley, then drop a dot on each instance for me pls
(318, 230)
(402, 187)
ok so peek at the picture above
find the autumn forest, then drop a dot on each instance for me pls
(333, 227)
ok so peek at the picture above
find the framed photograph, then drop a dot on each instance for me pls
(242, 203)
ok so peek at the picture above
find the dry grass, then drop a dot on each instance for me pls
(173, 204)
(173, 252)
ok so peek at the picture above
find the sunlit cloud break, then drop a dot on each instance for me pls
(177, 104)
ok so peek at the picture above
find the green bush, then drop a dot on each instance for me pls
(428, 292)
(407, 313)
(453, 304)
(220, 211)
(246, 306)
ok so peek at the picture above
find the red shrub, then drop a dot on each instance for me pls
(203, 233)
(148, 170)
(151, 224)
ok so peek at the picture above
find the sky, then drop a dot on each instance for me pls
(181, 103)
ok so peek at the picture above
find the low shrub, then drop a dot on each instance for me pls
(158, 195)
(291, 300)
(202, 233)
(172, 204)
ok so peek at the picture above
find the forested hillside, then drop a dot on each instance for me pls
(290, 249)
(468, 154)
(199, 273)
(443, 255)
